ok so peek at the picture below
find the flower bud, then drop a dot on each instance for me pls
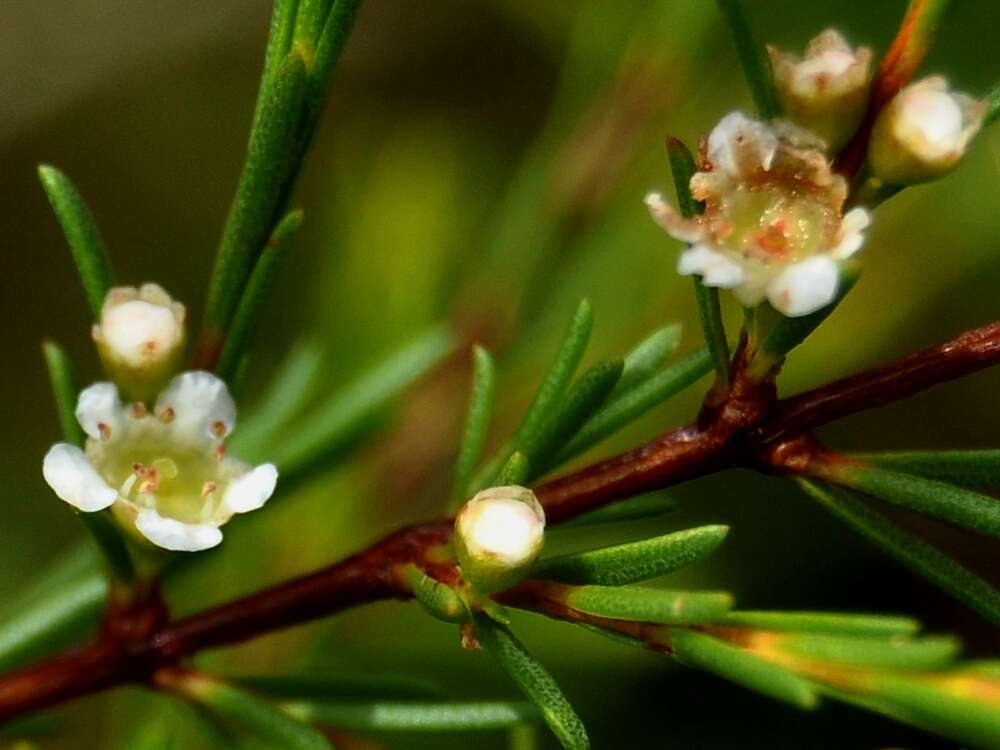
(826, 91)
(498, 535)
(140, 339)
(923, 132)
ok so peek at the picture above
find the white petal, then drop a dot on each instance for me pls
(685, 230)
(715, 268)
(72, 477)
(852, 237)
(98, 405)
(251, 490)
(140, 332)
(739, 145)
(176, 535)
(201, 404)
(805, 287)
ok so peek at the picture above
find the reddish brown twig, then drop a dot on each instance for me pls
(734, 429)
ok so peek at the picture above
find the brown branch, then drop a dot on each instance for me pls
(734, 429)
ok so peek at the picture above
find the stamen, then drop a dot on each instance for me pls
(104, 430)
(166, 415)
(139, 410)
(219, 429)
(207, 489)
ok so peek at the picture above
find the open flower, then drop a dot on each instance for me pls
(923, 132)
(163, 473)
(826, 91)
(773, 226)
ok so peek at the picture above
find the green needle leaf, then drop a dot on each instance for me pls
(649, 357)
(992, 106)
(756, 66)
(335, 423)
(648, 604)
(916, 554)
(583, 399)
(255, 296)
(260, 193)
(477, 422)
(975, 468)
(439, 600)
(704, 652)
(878, 652)
(388, 716)
(82, 235)
(53, 618)
(938, 499)
(309, 23)
(829, 623)
(629, 406)
(515, 472)
(252, 715)
(682, 167)
(635, 561)
(534, 681)
(290, 390)
(644, 506)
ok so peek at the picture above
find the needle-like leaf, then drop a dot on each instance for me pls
(972, 468)
(648, 604)
(395, 716)
(756, 66)
(829, 623)
(477, 422)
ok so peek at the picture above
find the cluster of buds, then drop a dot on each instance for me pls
(774, 225)
(159, 465)
(498, 535)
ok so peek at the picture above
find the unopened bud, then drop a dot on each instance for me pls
(140, 339)
(498, 535)
(923, 132)
(826, 91)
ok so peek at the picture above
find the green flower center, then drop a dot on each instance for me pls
(774, 224)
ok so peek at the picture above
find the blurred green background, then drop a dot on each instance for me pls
(481, 162)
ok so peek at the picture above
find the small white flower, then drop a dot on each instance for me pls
(826, 91)
(498, 535)
(140, 338)
(164, 473)
(773, 226)
(923, 132)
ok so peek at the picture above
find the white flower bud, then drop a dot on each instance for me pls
(923, 132)
(140, 339)
(498, 535)
(826, 91)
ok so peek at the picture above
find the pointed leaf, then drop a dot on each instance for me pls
(439, 600)
(322, 689)
(515, 472)
(333, 424)
(704, 652)
(938, 499)
(648, 604)
(756, 67)
(628, 407)
(973, 591)
(873, 651)
(534, 681)
(635, 561)
(477, 421)
(975, 468)
(830, 623)
(255, 296)
(388, 716)
(648, 358)
(82, 236)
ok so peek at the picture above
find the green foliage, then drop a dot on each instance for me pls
(827, 623)
(648, 358)
(874, 651)
(970, 468)
(731, 663)
(938, 499)
(648, 604)
(258, 291)
(339, 689)
(756, 66)
(973, 591)
(534, 681)
(634, 561)
(477, 421)
(636, 508)
(390, 716)
(437, 599)
(82, 236)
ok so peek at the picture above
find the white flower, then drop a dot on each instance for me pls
(773, 226)
(923, 132)
(164, 473)
(826, 91)
(140, 338)
(498, 535)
